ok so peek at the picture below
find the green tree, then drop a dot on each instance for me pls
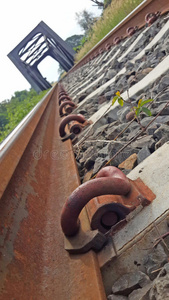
(3, 114)
(74, 40)
(14, 110)
(85, 20)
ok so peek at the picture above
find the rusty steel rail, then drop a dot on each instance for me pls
(12, 148)
(38, 172)
(135, 18)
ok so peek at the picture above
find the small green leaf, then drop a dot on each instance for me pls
(147, 111)
(137, 111)
(146, 101)
(114, 99)
(120, 101)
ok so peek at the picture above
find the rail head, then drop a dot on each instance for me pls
(12, 148)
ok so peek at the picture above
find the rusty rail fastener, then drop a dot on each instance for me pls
(150, 18)
(75, 127)
(116, 40)
(80, 118)
(62, 93)
(111, 182)
(108, 46)
(64, 98)
(70, 106)
(101, 50)
(131, 30)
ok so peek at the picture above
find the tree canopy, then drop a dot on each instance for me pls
(14, 110)
(85, 20)
(74, 40)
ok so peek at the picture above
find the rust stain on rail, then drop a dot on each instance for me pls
(11, 157)
(33, 262)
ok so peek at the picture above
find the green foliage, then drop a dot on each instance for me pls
(3, 114)
(85, 20)
(139, 108)
(14, 110)
(136, 109)
(81, 44)
(106, 3)
(118, 98)
(74, 40)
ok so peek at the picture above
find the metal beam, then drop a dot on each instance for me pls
(57, 48)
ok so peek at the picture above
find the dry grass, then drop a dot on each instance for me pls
(112, 15)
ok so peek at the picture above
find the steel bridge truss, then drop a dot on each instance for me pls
(42, 41)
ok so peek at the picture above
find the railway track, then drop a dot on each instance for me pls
(39, 172)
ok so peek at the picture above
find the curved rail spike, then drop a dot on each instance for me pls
(111, 182)
(150, 18)
(117, 40)
(107, 46)
(131, 30)
(109, 214)
(61, 91)
(71, 106)
(101, 50)
(80, 118)
(64, 98)
(62, 94)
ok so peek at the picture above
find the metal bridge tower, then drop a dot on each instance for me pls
(39, 43)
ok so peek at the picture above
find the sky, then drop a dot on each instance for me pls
(18, 18)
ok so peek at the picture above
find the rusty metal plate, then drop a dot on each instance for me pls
(33, 262)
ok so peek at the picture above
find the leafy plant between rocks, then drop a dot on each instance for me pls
(121, 103)
(138, 134)
(139, 108)
(135, 109)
